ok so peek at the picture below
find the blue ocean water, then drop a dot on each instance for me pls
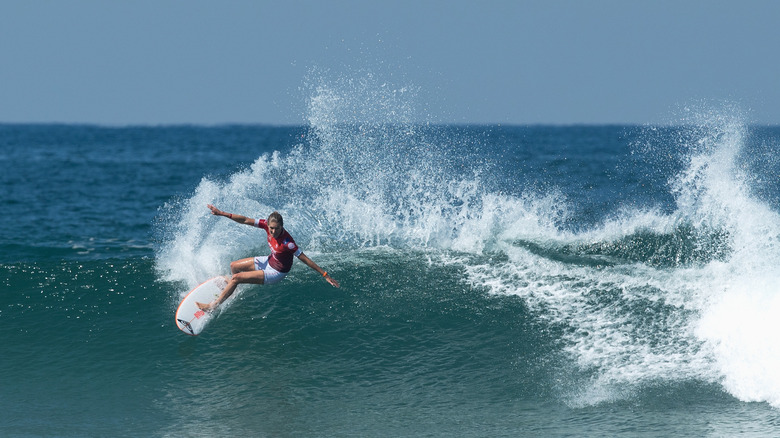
(496, 280)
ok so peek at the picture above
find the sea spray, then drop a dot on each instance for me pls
(650, 295)
(364, 175)
(657, 295)
(606, 289)
(739, 324)
(737, 321)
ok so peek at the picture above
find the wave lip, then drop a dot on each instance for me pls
(648, 295)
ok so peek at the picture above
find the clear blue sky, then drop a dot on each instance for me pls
(521, 62)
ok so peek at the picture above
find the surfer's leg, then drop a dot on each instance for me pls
(244, 271)
(248, 270)
(243, 265)
(253, 277)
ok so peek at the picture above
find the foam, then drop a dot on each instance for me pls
(366, 176)
(711, 321)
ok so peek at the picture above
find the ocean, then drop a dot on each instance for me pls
(579, 281)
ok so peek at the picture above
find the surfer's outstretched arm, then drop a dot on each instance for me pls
(236, 217)
(310, 263)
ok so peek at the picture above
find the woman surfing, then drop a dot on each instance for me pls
(268, 269)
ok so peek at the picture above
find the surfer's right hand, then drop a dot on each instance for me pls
(214, 210)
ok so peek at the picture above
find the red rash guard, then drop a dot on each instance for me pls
(282, 249)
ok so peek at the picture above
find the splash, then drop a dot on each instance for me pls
(648, 297)
(367, 173)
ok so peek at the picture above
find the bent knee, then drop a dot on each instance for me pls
(242, 265)
(255, 277)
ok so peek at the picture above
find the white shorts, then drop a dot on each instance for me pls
(271, 275)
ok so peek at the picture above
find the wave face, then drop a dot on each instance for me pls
(496, 280)
(650, 252)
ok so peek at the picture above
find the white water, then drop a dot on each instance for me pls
(366, 176)
(632, 324)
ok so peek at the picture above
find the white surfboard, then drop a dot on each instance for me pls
(189, 318)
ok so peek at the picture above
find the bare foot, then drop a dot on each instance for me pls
(205, 307)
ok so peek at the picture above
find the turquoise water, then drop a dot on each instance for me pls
(496, 281)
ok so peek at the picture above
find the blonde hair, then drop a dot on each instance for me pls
(276, 217)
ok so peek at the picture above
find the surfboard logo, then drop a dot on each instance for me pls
(187, 325)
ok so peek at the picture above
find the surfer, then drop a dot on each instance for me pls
(268, 269)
